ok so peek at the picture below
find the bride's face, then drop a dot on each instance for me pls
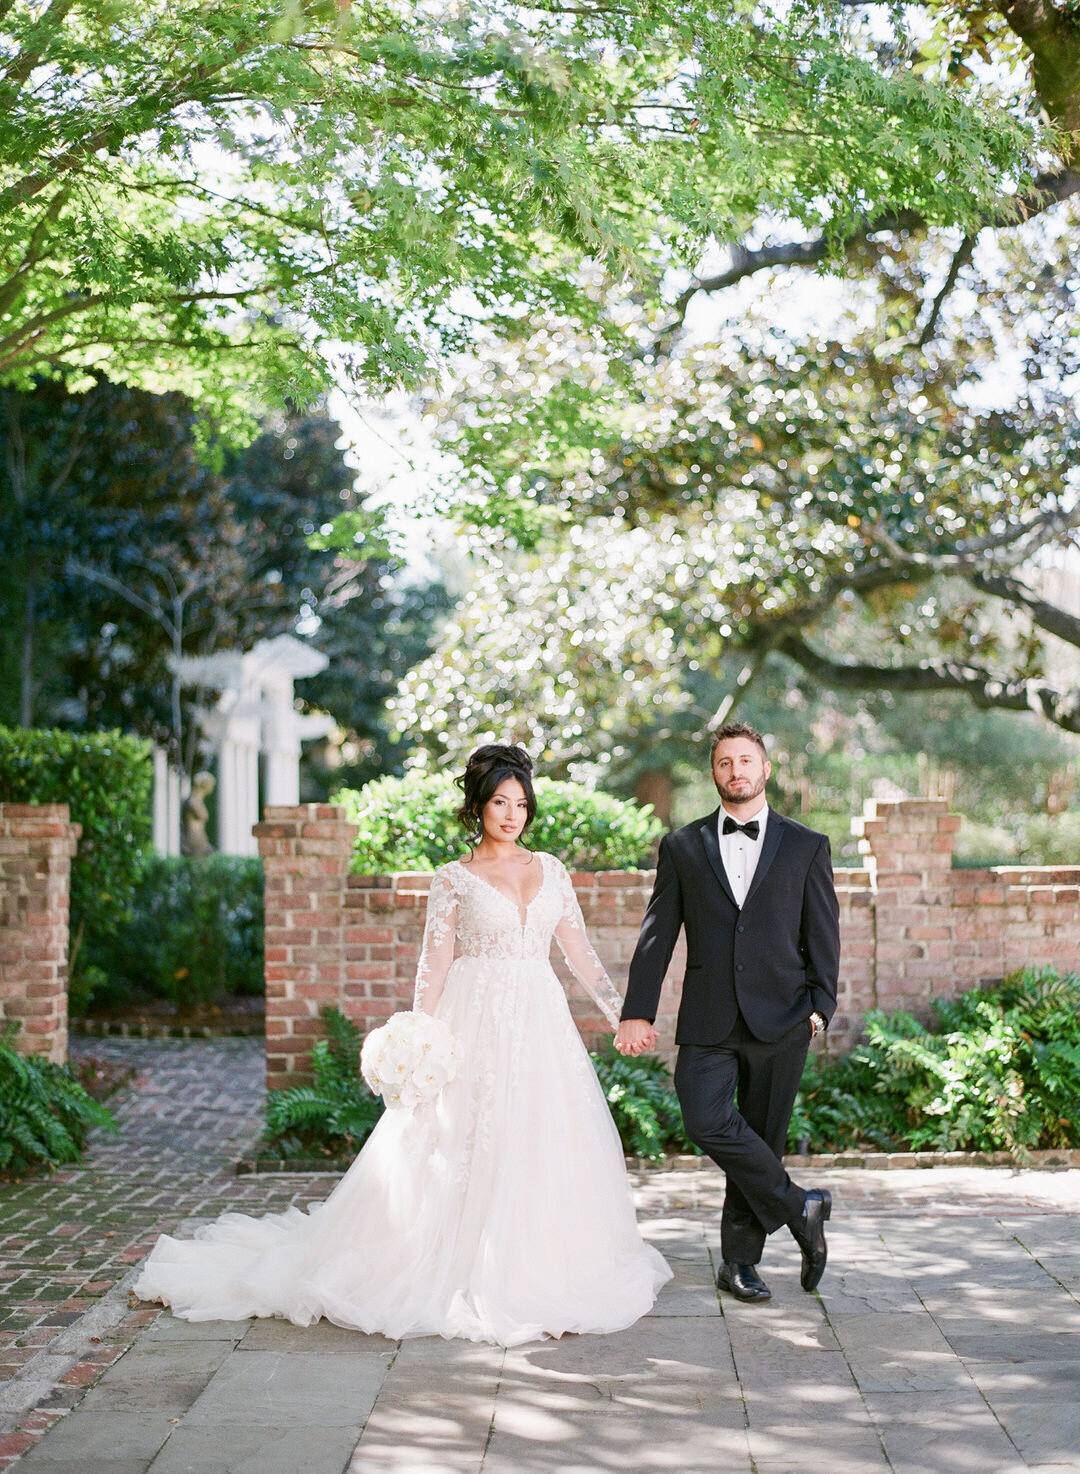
(506, 811)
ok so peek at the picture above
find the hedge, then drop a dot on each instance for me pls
(193, 934)
(106, 779)
(409, 824)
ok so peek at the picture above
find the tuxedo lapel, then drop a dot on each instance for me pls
(774, 833)
(710, 838)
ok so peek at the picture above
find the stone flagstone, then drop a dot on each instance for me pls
(945, 1338)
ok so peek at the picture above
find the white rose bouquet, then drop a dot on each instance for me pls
(409, 1059)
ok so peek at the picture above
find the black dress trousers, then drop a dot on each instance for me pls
(736, 1102)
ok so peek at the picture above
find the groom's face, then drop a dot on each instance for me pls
(740, 770)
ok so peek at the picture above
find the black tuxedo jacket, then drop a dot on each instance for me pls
(775, 960)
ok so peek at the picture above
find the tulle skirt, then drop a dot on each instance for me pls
(501, 1212)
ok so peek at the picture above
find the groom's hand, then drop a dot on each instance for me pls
(635, 1036)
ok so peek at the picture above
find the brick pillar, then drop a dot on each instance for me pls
(306, 849)
(37, 842)
(908, 847)
(857, 991)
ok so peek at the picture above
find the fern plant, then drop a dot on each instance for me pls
(998, 1069)
(335, 1114)
(45, 1114)
(643, 1104)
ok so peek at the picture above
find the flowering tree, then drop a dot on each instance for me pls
(892, 473)
(563, 653)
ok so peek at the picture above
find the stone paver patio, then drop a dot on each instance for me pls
(945, 1339)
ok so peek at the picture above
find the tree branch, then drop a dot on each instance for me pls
(1062, 708)
(1049, 189)
(960, 259)
(12, 288)
(106, 580)
(1017, 543)
(24, 62)
(745, 679)
(1048, 617)
(1052, 35)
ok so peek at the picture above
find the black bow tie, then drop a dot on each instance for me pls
(750, 828)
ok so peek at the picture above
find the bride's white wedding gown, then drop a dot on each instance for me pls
(501, 1212)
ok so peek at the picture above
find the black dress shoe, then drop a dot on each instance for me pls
(809, 1233)
(742, 1281)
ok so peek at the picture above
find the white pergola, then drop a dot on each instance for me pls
(253, 717)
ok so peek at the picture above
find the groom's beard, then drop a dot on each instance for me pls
(742, 794)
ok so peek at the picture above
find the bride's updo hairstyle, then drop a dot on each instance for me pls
(486, 769)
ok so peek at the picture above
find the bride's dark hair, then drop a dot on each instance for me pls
(487, 767)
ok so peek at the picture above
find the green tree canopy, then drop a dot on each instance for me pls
(243, 199)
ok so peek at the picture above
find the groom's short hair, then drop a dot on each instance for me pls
(737, 729)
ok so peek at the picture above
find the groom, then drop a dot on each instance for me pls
(755, 894)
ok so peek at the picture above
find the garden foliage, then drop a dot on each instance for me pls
(335, 1114)
(105, 778)
(643, 1103)
(45, 1114)
(997, 1070)
(409, 824)
(193, 934)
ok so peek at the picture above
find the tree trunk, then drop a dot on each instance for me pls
(26, 657)
(656, 787)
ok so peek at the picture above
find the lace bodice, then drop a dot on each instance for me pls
(467, 916)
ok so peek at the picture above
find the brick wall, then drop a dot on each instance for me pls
(939, 931)
(37, 843)
(913, 929)
(385, 923)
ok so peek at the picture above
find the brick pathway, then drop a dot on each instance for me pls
(67, 1241)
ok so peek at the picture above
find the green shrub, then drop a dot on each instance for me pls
(193, 934)
(643, 1103)
(106, 780)
(408, 824)
(335, 1114)
(980, 845)
(45, 1114)
(998, 1070)
(1051, 839)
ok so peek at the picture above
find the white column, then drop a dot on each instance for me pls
(238, 790)
(166, 805)
(281, 744)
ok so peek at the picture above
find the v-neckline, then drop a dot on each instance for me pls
(521, 907)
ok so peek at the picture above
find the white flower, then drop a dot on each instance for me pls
(409, 1059)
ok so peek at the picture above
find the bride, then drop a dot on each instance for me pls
(500, 1212)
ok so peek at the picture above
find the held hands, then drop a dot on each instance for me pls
(635, 1036)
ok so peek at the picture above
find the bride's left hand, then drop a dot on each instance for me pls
(635, 1036)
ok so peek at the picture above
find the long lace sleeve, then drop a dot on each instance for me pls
(437, 950)
(583, 961)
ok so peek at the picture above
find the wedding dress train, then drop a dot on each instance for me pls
(500, 1212)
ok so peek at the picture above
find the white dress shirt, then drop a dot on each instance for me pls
(739, 852)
